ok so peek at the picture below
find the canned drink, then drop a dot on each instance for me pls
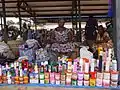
(80, 83)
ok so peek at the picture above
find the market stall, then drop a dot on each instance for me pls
(39, 65)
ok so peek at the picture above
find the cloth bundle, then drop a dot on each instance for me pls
(29, 48)
(45, 55)
(6, 54)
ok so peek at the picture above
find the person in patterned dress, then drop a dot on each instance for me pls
(61, 39)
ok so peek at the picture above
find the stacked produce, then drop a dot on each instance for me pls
(77, 72)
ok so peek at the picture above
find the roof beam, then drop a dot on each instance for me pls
(56, 15)
(57, 10)
(61, 5)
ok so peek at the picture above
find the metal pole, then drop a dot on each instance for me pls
(20, 20)
(76, 14)
(5, 34)
(73, 14)
(1, 23)
(79, 19)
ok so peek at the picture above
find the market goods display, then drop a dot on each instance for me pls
(78, 72)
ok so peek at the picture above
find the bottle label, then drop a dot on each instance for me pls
(114, 77)
(41, 76)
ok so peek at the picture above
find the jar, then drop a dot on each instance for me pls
(114, 76)
(74, 82)
(46, 81)
(106, 83)
(57, 76)
(86, 83)
(86, 77)
(47, 75)
(99, 82)
(42, 82)
(114, 84)
(80, 82)
(74, 76)
(92, 82)
(57, 82)
(80, 76)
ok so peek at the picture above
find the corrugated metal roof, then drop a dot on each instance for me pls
(56, 7)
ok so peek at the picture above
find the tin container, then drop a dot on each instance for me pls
(114, 76)
(42, 76)
(92, 82)
(57, 76)
(47, 81)
(25, 78)
(62, 82)
(63, 77)
(74, 82)
(80, 76)
(52, 78)
(106, 83)
(86, 77)
(99, 82)
(47, 75)
(114, 84)
(86, 83)
(80, 82)
(57, 82)
(68, 78)
(106, 76)
(42, 82)
(74, 76)
(99, 75)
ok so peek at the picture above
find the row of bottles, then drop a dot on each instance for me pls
(64, 72)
